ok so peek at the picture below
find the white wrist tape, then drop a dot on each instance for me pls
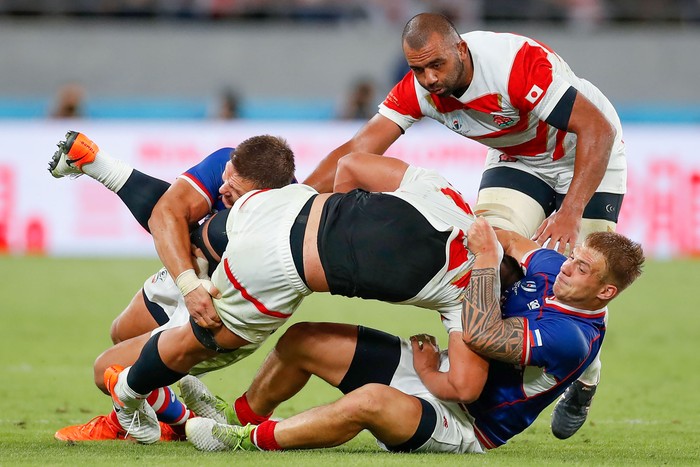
(187, 281)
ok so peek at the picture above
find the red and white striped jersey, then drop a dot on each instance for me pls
(517, 83)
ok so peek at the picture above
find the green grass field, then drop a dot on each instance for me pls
(55, 320)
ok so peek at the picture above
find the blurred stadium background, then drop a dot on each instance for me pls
(162, 83)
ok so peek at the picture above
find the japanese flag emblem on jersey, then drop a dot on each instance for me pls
(533, 95)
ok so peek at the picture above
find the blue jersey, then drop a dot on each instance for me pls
(560, 342)
(205, 177)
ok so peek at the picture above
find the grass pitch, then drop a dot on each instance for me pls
(55, 320)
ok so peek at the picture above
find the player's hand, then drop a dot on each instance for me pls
(482, 241)
(199, 304)
(559, 231)
(426, 354)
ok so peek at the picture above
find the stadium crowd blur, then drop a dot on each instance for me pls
(577, 12)
(226, 97)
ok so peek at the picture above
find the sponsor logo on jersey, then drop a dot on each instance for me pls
(529, 286)
(534, 305)
(609, 208)
(502, 121)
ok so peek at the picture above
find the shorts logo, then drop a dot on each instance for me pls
(159, 276)
(502, 121)
(506, 158)
(534, 94)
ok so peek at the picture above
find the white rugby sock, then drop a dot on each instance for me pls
(112, 173)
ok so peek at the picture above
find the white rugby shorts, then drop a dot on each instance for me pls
(259, 283)
(454, 432)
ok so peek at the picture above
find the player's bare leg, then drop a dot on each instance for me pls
(322, 349)
(134, 321)
(389, 414)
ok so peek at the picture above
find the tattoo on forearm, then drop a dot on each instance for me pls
(485, 331)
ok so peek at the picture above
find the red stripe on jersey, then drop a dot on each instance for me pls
(457, 198)
(403, 98)
(253, 194)
(489, 103)
(201, 187)
(256, 303)
(463, 281)
(458, 252)
(528, 340)
(551, 302)
(530, 77)
(485, 442)
(446, 104)
(559, 145)
(535, 146)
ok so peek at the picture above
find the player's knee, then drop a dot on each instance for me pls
(366, 403)
(99, 368)
(293, 341)
(588, 226)
(114, 331)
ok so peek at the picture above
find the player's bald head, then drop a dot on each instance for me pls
(421, 27)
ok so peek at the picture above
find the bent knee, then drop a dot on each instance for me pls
(368, 402)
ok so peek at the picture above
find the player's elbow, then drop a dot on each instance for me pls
(466, 390)
(345, 175)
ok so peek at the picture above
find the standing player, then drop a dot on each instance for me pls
(556, 168)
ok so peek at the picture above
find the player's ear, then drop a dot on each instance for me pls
(607, 292)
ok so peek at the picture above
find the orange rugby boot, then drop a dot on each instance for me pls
(73, 153)
(100, 428)
(135, 415)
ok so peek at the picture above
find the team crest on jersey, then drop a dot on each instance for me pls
(528, 286)
(502, 121)
(456, 124)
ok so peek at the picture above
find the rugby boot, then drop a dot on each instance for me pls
(208, 435)
(571, 410)
(135, 415)
(171, 433)
(72, 154)
(100, 428)
(199, 399)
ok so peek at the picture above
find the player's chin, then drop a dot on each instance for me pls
(558, 287)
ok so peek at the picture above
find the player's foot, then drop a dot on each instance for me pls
(100, 428)
(170, 433)
(199, 399)
(72, 154)
(571, 410)
(135, 416)
(208, 435)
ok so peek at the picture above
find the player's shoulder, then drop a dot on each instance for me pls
(543, 260)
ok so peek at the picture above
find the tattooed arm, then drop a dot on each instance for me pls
(485, 331)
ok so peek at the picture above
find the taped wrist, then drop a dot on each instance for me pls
(187, 281)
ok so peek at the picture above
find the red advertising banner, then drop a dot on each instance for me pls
(79, 217)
